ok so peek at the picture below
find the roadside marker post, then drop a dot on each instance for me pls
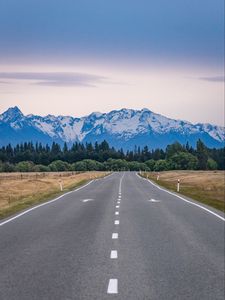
(178, 185)
(157, 176)
(61, 186)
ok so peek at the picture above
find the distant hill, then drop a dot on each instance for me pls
(121, 128)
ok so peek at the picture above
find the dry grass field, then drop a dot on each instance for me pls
(204, 186)
(21, 190)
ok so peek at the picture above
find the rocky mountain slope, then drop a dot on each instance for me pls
(121, 128)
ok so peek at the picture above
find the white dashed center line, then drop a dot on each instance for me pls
(113, 254)
(113, 283)
(113, 286)
(115, 236)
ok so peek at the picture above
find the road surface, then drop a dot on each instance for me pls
(119, 237)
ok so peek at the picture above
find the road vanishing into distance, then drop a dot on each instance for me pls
(120, 237)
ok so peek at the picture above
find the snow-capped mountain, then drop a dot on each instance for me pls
(121, 128)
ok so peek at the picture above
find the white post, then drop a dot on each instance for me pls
(61, 186)
(178, 185)
(158, 176)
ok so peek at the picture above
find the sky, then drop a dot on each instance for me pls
(73, 57)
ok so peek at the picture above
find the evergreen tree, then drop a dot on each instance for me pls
(176, 156)
(202, 155)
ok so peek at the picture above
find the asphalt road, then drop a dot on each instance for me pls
(96, 243)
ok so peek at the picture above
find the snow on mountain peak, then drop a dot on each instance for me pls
(124, 124)
(11, 114)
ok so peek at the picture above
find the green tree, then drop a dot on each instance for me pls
(117, 164)
(79, 166)
(41, 168)
(161, 165)
(173, 149)
(202, 155)
(7, 167)
(65, 148)
(59, 166)
(136, 166)
(183, 161)
(25, 166)
(150, 164)
(212, 164)
(93, 165)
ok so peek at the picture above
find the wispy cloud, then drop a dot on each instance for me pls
(4, 82)
(55, 78)
(213, 78)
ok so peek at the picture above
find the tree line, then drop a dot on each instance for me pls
(100, 156)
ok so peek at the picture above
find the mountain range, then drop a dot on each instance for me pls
(121, 128)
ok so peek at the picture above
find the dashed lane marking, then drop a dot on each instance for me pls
(113, 286)
(114, 254)
(115, 236)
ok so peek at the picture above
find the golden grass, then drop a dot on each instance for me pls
(21, 190)
(204, 186)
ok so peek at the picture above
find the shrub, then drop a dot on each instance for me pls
(161, 165)
(7, 167)
(183, 161)
(59, 166)
(151, 164)
(211, 164)
(79, 166)
(25, 166)
(41, 168)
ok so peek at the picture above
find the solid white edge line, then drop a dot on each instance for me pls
(43, 204)
(185, 200)
(113, 286)
(107, 176)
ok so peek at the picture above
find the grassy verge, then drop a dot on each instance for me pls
(206, 187)
(23, 194)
